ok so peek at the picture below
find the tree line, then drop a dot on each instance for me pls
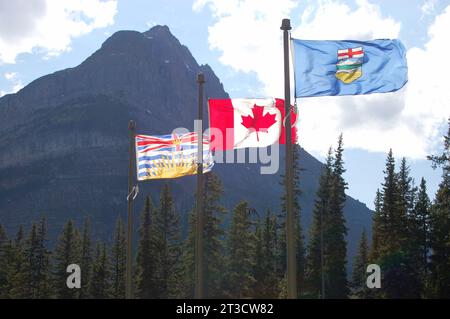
(410, 242)
(410, 234)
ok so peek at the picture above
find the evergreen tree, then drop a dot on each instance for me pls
(7, 268)
(241, 245)
(282, 251)
(168, 244)
(3, 260)
(359, 286)
(213, 250)
(316, 246)
(407, 193)
(440, 225)
(29, 250)
(264, 270)
(119, 261)
(390, 207)
(3, 238)
(258, 271)
(421, 234)
(213, 236)
(335, 231)
(18, 276)
(146, 255)
(400, 278)
(100, 287)
(390, 251)
(189, 259)
(409, 284)
(86, 260)
(67, 252)
(378, 228)
(38, 261)
(300, 255)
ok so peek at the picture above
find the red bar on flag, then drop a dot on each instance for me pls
(241, 123)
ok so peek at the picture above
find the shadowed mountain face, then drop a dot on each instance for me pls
(64, 139)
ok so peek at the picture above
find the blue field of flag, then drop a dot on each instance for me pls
(327, 68)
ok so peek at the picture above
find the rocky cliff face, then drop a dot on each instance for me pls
(64, 138)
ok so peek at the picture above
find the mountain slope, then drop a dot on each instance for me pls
(64, 138)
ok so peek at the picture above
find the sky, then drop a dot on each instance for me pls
(241, 40)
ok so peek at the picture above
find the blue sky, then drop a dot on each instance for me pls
(241, 41)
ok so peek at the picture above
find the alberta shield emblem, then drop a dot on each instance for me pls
(349, 65)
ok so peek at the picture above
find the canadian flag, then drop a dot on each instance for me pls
(241, 123)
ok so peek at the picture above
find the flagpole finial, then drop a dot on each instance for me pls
(286, 24)
(200, 78)
(131, 125)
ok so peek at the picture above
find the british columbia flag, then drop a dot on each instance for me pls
(170, 156)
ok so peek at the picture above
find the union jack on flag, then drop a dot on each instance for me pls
(170, 156)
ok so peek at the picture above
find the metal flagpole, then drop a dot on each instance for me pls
(199, 228)
(290, 220)
(130, 198)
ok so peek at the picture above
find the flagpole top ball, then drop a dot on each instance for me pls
(286, 24)
(131, 125)
(200, 78)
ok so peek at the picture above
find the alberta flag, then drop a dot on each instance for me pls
(170, 156)
(324, 68)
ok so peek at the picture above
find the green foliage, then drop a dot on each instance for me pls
(213, 236)
(404, 231)
(118, 261)
(390, 206)
(168, 247)
(67, 252)
(5, 247)
(18, 270)
(38, 258)
(327, 250)
(440, 226)
(393, 233)
(100, 285)
(264, 270)
(188, 290)
(379, 227)
(146, 264)
(86, 260)
(419, 239)
(335, 231)
(213, 247)
(359, 276)
(241, 245)
(316, 246)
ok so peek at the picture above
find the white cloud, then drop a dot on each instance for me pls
(247, 35)
(428, 7)
(333, 20)
(17, 86)
(10, 75)
(48, 26)
(13, 78)
(407, 121)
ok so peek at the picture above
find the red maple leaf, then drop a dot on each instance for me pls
(259, 122)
